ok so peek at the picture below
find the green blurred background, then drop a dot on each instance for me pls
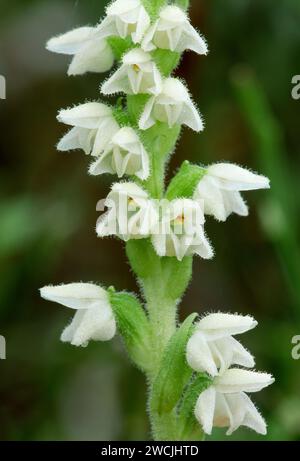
(51, 391)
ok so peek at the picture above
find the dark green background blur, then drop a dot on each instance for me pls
(49, 390)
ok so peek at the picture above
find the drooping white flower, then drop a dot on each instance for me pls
(93, 127)
(212, 348)
(94, 319)
(138, 74)
(225, 404)
(124, 154)
(91, 54)
(172, 106)
(220, 189)
(125, 18)
(180, 231)
(131, 214)
(173, 31)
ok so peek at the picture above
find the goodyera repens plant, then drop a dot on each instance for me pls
(198, 373)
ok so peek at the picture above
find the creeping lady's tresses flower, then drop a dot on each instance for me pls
(220, 189)
(131, 214)
(94, 319)
(173, 31)
(172, 106)
(125, 18)
(225, 404)
(124, 154)
(212, 348)
(91, 53)
(138, 74)
(93, 127)
(180, 231)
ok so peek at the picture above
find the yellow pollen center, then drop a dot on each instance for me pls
(136, 68)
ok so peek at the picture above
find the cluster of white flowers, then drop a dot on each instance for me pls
(212, 349)
(176, 227)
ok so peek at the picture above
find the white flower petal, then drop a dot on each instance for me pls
(235, 178)
(205, 409)
(238, 380)
(70, 42)
(199, 356)
(74, 295)
(94, 56)
(85, 115)
(219, 325)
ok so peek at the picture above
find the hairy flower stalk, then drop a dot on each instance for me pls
(189, 367)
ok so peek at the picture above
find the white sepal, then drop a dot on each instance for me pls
(173, 31)
(172, 106)
(219, 325)
(123, 155)
(91, 54)
(125, 18)
(238, 380)
(94, 319)
(137, 74)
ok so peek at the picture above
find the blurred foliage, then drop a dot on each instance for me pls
(47, 216)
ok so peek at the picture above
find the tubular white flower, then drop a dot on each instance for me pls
(131, 214)
(91, 54)
(173, 31)
(125, 18)
(180, 232)
(225, 404)
(124, 154)
(138, 74)
(212, 349)
(214, 409)
(172, 106)
(94, 126)
(94, 319)
(220, 189)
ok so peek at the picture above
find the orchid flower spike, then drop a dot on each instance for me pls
(131, 214)
(93, 127)
(172, 106)
(125, 18)
(94, 319)
(180, 231)
(124, 154)
(137, 74)
(91, 54)
(220, 189)
(225, 403)
(173, 31)
(212, 348)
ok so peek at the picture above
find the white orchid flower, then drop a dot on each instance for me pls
(94, 319)
(173, 31)
(125, 18)
(180, 231)
(172, 106)
(91, 54)
(220, 189)
(131, 214)
(137, 74)
(225, 404)
(93, 127)
(124, 154)
(212, 349)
